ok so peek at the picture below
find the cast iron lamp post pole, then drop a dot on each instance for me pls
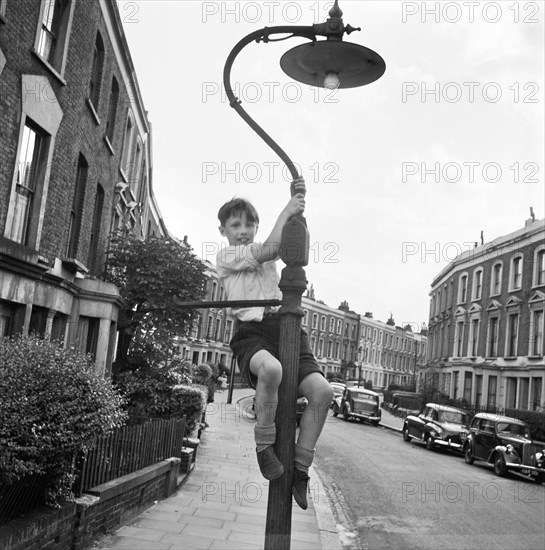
(331, 63)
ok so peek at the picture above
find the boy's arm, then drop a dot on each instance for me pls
(270, 248)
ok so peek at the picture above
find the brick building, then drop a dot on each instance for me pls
(346, 345)
(486, 340)
(390, 354)
(76, 163)
(212, 329)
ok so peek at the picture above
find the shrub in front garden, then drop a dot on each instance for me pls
(155, 392)
(205, 374)
(52, 404)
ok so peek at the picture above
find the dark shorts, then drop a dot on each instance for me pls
(251, 337)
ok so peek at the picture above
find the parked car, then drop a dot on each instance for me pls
(505, 443)
(437, 426)
(338, 390)
(358, 403)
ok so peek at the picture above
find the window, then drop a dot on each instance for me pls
(516, 273)
(339, 327)
(228, 331)
(96, 72)
(314, 320)
(492, 348)
(536, 332)
(112, 110)
(94, 238)
(58, 327)
(459, 339)
(88, 330)
(128, 139)
(305, 317)
(52, 38)
(76, 214)
(134, 169)
(512, 334)
(462, 289)
(492, 390)
(3, 8)
(477, 284)
(322, 325)
(539, 267)
(495, 287)
(210, 327)
(30, 174)
(474, 337)
(450, 292)
(331, 324)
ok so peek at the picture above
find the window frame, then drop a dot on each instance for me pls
(492, 344)
(514, 275)
(538, 275)
(23, 225)
(511, 341)
(477, 286)
(496, 279)
(536, 338)
(462, 287)
(55, 63)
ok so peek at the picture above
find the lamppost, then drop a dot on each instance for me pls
(329, 63)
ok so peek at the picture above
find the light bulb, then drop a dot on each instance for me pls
(331, 81)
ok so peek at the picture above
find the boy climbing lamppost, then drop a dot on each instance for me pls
(329, 63)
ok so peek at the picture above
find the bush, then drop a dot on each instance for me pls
(206, 375)
(52, 403)
(158, 393)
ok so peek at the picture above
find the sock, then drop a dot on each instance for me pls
(303, 458)
(264, 436)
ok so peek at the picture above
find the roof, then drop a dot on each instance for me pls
(362, 390)
(499, 418)
(445, 408)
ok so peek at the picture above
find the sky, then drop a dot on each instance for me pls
(402, 175)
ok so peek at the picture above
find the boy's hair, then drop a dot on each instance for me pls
(235, 207)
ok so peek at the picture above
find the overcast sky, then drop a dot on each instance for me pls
(402, 174)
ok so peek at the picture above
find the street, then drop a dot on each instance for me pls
(387, 493)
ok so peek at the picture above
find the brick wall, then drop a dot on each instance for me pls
(76, 525)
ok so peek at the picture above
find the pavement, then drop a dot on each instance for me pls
(222, 503)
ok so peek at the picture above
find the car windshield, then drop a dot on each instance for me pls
(453, 416)
(364, 396)
(512, 429)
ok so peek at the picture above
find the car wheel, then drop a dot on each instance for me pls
(469, 455)
(430, 443)
(406, 436)
(500, 469)
(376, 423)
(540, 478)
(346, 413)
(335, 410)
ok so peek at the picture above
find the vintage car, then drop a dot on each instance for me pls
(358, 403)
(505, 443)
(338, 390)
(438, 426)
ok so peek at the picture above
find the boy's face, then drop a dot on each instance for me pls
(239, 230)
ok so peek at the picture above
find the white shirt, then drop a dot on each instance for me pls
(244, 278)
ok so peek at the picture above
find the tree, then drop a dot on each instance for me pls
(153, 276)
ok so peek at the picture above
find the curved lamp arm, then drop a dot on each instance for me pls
(263, 35)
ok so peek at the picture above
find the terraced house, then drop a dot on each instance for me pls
(76, 163)
(486, 341)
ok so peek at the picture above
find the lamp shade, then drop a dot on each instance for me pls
(355, 65)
